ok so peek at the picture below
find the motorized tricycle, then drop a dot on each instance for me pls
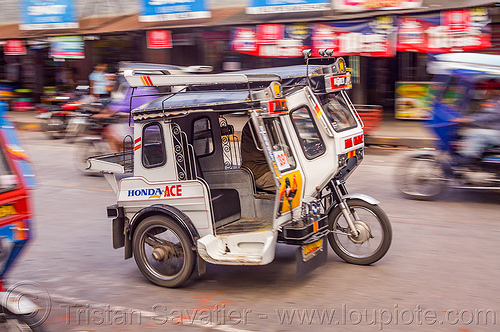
(458, 90)
(189, 199)
(17, 312)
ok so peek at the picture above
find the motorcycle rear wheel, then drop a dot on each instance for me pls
(54, 127)
(421, 177)
(163, 251)
(375, 233)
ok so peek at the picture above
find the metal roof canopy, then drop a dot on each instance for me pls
(445, 64)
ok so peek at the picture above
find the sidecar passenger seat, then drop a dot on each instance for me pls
(225, 202)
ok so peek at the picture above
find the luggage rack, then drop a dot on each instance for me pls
(124, 159)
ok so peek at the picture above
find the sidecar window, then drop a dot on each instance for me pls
(279, 145)
(203, 142)
(337, 110)
(153, 147)
(308, 133)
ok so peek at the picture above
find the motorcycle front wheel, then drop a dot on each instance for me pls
(374, 233)
(86, 149)
(420, 177)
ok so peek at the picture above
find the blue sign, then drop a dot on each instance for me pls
(48, 14)
(167, 10)
(286, 6)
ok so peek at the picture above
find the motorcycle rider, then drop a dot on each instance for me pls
(483, 127)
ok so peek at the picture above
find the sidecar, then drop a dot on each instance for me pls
(190, 197)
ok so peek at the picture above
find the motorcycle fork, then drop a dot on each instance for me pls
(339, 190)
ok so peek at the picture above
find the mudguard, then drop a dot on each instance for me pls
(159, 209)
(18, 304)
(363, 197)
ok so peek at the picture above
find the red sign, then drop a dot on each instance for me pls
(270, 33)
(452, 31)
(14, 47)
(157, 39)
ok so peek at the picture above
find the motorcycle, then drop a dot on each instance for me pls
(56, 117)
(457, 91)
(192, 199)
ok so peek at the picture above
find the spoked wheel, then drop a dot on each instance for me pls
(163, 251)
(421, 177)
(10, 322)
(374, 233)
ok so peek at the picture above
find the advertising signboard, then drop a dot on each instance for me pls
(451, 31)
(48, 14)
(157, 39)
(272, 40)
(370, 37)
(362, 5)
(14, 47)
(411, 101)
(168, 10)
(286, 6)
(67, 47)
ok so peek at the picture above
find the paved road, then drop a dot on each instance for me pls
(441, 272)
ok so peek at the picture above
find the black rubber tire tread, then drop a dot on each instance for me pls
(385, 225)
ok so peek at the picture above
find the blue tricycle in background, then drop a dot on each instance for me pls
(458, 90)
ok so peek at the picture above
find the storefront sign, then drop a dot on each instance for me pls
(48, 14)
(286, 6)
(272, 40)
(412, 101)
(373, 37)
(157, 39)
(167, 10)
(451, 31)
(67, 47)
(14, 47)
(361, 5)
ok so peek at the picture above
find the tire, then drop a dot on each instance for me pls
(55, 126)
(177, 259)
(19, 323)
(375, 233)
(421, 177)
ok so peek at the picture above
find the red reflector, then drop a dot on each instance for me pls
(358, 139)
(348, 143)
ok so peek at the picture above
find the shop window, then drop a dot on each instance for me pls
(153, 146)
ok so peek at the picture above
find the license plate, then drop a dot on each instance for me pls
(310, 250)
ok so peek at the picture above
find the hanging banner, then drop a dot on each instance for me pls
(168, 10)
(286, 6)
(14, 47)
(272, 40)
(362, 5)
(48, 14)
(372, 37)
(67, 47)
(157, 39)
(451, 31)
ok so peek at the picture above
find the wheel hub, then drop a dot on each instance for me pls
(363, 230)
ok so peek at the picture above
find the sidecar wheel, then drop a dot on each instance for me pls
(375, 233)
(163, 252)
(421, 177)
